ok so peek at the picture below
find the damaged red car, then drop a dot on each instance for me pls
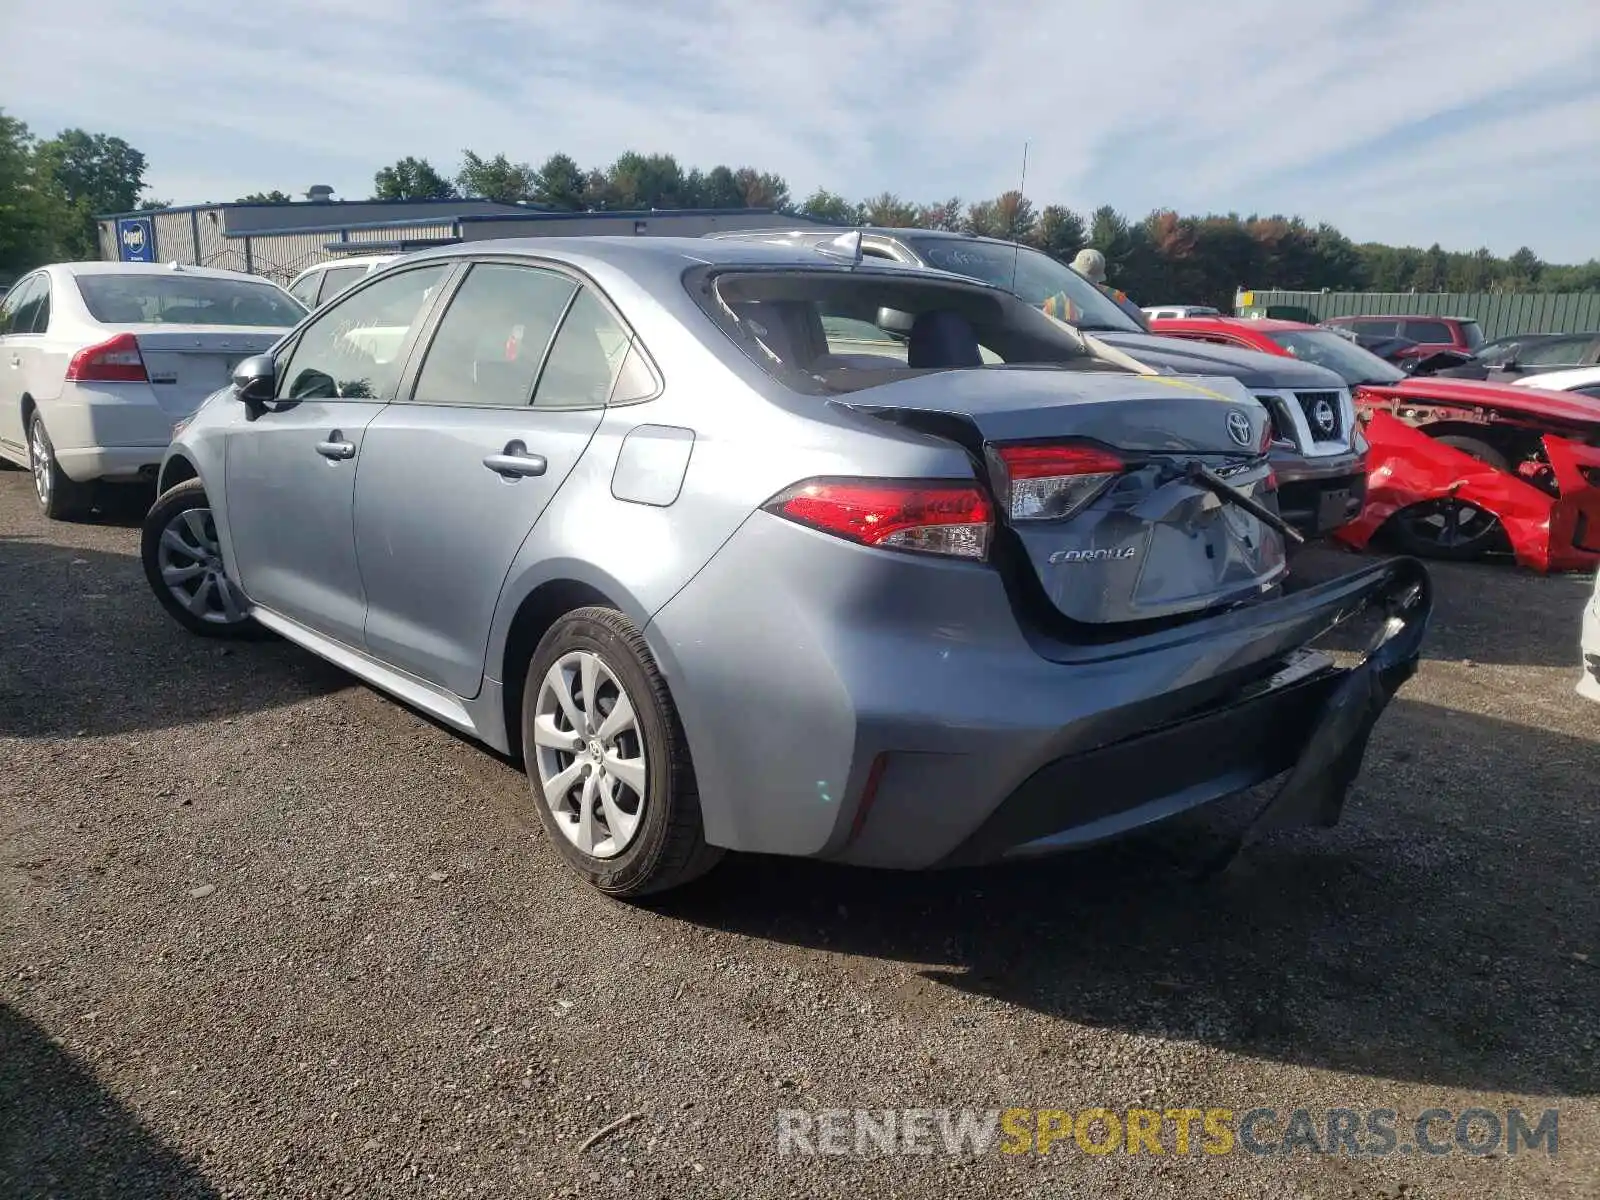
(1458, 468)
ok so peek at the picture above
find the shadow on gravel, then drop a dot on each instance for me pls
(1431, 937)
(63, 1137)
(89, 651)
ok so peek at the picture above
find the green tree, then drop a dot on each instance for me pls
(1060, 232)
(411, 179)
(889, 211)
(945, 215)
(721, 189)
(758, 189)
(1014, 217)
(29, 221)
(272, 197)
(559, 183)
(496, 178)
(823, 205)
(90, 174)
(1525, 267)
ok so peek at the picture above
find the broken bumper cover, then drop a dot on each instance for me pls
(1547, 533)
(1312, 720)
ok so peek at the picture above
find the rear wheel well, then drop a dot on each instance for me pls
(545, 605)
(28, 407)
(1514, 444)
(178, 470)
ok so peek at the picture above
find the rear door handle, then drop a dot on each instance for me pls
(16, 360)
(514, 462)
(336, 448)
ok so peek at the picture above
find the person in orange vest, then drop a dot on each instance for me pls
(1091, 264)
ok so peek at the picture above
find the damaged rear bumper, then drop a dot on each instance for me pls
(1311, 719)
(1547, 532)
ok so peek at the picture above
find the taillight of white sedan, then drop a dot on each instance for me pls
(98, 362)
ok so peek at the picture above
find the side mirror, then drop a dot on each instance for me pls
(255, 380)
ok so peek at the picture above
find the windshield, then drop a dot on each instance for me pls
(178, 299)
(1037, 278)
(1340, 355)
(826, 331)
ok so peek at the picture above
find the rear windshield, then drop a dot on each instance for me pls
(177, 299)
(827, 331)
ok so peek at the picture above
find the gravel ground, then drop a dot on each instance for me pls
(265, 933)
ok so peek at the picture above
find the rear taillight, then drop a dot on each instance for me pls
(926, 517)
(1047, 483)
(114, 361)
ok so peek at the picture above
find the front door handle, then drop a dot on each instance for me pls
(514, 462)
(16, 360)
(336, 448)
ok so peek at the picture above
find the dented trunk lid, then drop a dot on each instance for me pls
(1148, 541)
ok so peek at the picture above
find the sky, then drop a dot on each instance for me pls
(1464, 122)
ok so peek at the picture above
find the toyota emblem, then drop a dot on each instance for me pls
(1322, 413)
(1239, 428)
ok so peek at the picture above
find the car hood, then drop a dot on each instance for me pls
(1503, 397)
(1252, 368)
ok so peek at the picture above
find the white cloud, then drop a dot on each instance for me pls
(1369, 115)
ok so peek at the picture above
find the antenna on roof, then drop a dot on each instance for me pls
(846, 246)
(1016, 246)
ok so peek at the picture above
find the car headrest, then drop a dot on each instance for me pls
(942, 338)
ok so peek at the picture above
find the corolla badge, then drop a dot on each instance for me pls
(1327, 420)
(1082, 556)
(1239, 427)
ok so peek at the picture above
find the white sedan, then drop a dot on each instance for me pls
(1577, 379)
(99, 360)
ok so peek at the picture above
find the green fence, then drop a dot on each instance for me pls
(1497, 314)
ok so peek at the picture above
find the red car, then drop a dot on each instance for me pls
(1457, 467)
(1431, 334)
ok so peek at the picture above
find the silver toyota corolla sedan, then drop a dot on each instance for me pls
(772, 549)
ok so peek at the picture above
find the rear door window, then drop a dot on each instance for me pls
(36, 297)
(586, 357)
(493, 339)
(16, 300)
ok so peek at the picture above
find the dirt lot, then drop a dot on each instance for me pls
(265, 933)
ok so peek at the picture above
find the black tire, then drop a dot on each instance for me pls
(188, 497)
(61, 498)
(1415, 530)
(1479, 450)
(668, 848)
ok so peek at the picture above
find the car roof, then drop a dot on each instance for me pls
(167, 268)
(886, 231)
(624, 252)
(1400, 317)
(351, 260)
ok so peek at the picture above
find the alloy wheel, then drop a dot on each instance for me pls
(1450, 524)
(39, 460)
(190, 560)
(589, 752)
